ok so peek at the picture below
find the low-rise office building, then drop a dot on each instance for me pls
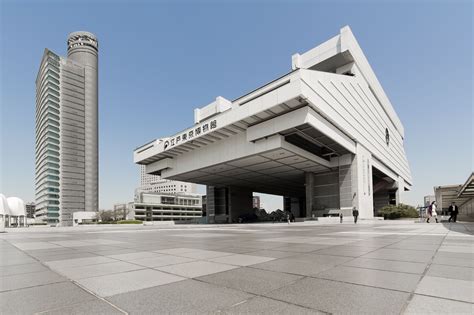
(154, 183)
(462, 195)
(30, 210)
(85, 217)
(166, 207)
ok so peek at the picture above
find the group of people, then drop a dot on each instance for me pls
(355, 214)
(431, 212)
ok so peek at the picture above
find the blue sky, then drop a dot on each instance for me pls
(158, 61)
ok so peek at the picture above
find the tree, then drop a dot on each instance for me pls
(106, 215)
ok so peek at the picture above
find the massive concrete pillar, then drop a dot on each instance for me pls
(363, 194)
(347, 183)
(322, 193)
(83, 48)
(309, 187)
(239, 203)
(217, 209)
(226, 204)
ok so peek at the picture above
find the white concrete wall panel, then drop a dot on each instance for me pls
(328, 95)
(4, 208)
(16, 206)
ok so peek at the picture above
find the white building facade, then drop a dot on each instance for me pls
(166, 207)
(154, 183)
(325, 136)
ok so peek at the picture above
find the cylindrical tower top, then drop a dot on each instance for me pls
(81, 39)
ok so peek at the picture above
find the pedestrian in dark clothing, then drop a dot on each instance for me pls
(340, 217)
(355, 213)
(453, 210)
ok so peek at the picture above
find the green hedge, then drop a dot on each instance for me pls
(129, 222)
(392, 212)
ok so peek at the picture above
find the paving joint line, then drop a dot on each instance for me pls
(73, 282)
(428, 265)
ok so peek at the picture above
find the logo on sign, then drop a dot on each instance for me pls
(189, 135)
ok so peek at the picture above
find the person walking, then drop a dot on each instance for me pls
(432, 212)
(453, 210)
(288, 217)
(355, 213)
(340, 217)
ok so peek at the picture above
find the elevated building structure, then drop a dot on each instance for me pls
(325, 136)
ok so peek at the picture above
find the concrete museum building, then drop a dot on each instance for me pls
(324, 136)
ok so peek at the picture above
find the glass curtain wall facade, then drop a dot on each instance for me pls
(48, 140)
(67, 131)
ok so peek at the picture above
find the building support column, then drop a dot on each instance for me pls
(363, 195)
(239, 203)
(309, 191)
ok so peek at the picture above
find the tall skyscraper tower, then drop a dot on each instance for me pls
(67, 131)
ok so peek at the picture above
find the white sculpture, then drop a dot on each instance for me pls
(11, 208)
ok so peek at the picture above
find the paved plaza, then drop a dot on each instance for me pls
(302, 268)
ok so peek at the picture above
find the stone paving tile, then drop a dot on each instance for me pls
(235, 250)
(196, 268)
(258, 245)
(341, 298)
(388, 265)
(71, 243)
(103, 242)
(468, 249)
(69, 256)
(88, 271)
(132, 256)
(375, 278)
(316, 258)
(454, 289)
(294, 266)
(21, 269)
(160, 261)
(35, 245)
(127, 281)
(94, 260)
(43, 298)
(300, 248)
(241, 260)
(50, 251)
(175, 251)
(272, 253)
(414, 246)
(11, 260)
(451, 272)
(401, 255)
(264, 306)
(428, 305)
(91, 307)
(95, 249)
(461, 262)
(27, 280)
(346, 250)
(204, 254)
(184, 297)
(250, 280)
(110, 252)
